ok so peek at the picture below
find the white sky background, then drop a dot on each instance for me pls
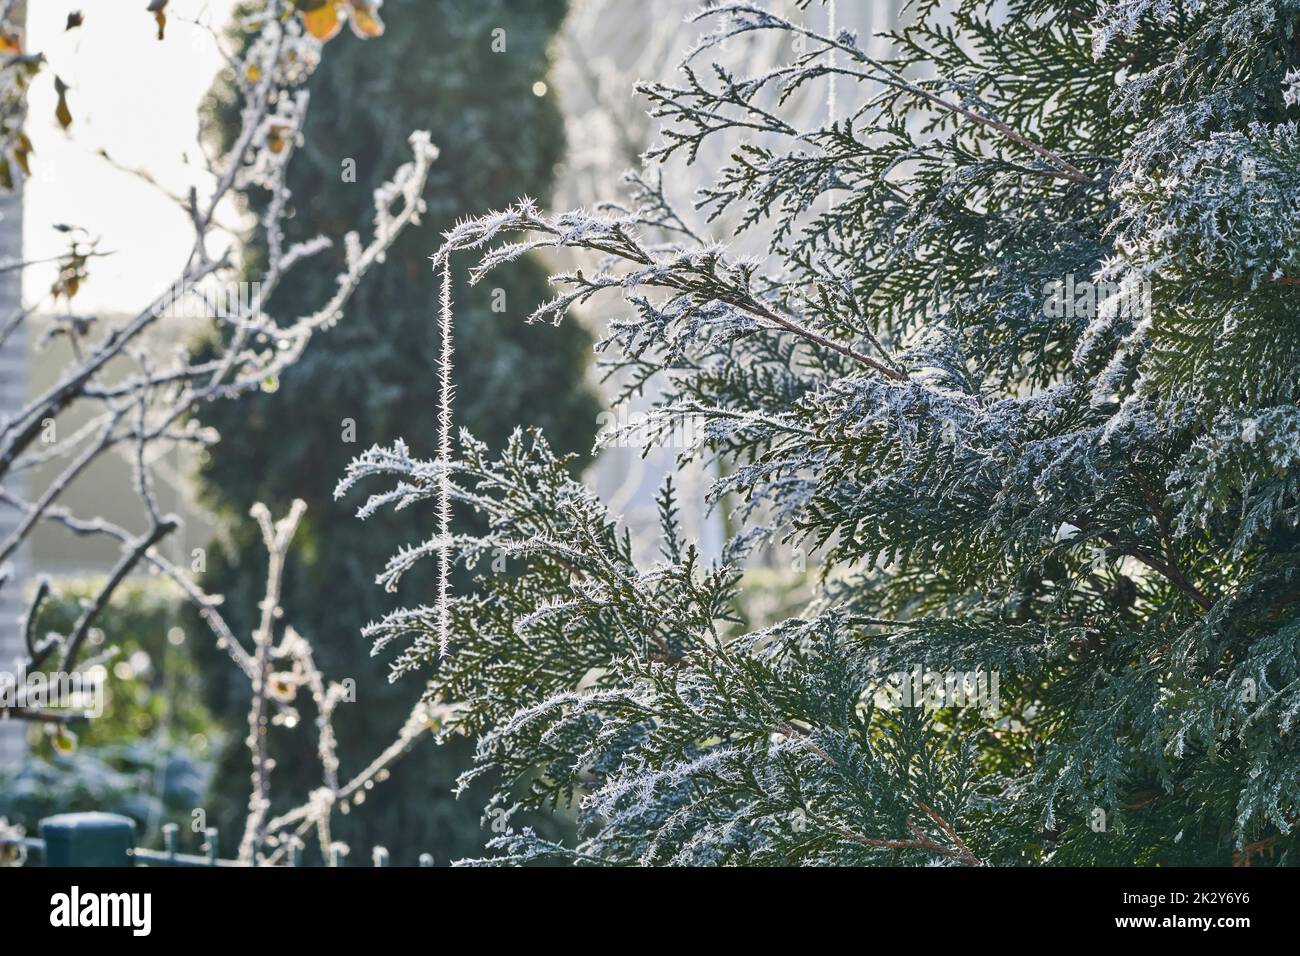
(138, 99)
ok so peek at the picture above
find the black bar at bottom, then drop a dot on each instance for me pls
(219, 906)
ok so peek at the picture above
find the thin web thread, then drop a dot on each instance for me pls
(445, 394)
(830, 88)
(830, 31)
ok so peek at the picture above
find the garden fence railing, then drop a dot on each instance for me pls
(108, 840)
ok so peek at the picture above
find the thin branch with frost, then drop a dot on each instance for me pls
(142, 412)
(275, 686)
(446, 391)
(276, 537)
(694, 279)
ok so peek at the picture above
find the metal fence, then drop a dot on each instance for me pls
(108, 840)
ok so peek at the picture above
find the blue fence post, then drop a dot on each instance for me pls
(170, 832)
(88, 839)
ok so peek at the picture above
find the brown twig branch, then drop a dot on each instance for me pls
(920, 839)
(1175, 571)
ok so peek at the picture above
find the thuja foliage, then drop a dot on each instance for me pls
(1021, 373)
(471, 79)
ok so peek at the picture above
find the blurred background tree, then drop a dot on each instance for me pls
(474, 73)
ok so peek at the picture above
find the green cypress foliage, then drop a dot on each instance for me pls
(1021, 376)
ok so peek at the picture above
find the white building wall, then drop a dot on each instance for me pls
(13, 392)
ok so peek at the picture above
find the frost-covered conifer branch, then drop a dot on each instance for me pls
(694, 277)
(1077, 492)
(700, 107)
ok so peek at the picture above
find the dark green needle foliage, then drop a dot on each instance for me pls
(463, 69)
(1020, 373)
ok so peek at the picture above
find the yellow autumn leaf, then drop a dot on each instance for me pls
(65, 741)
(72, 271)
(275, 139)
(322, 22)
(156, 7)
(23, 149)
(364, 19)
(61, 111)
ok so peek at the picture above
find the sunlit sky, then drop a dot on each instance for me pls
(137, 98)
